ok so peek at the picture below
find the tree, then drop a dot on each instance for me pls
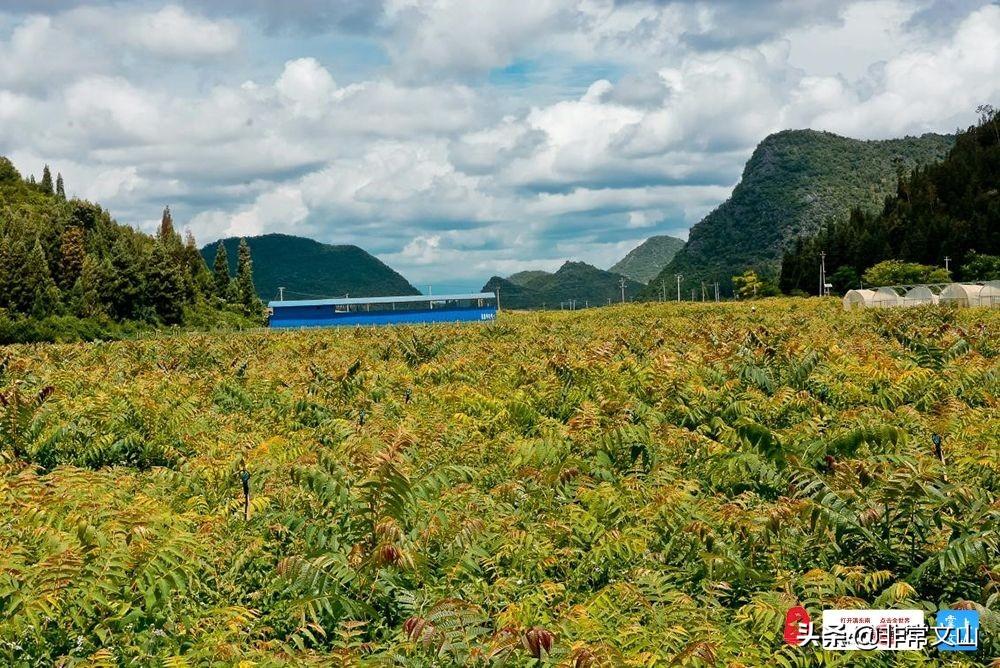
(981, 267)
(46, 184)
(166, 233)
(845, 278)
(220, 271)
(747, 285)
(896, 272)
(165, 286)
(60, 188)
(38, 283)
(71, 256)
(246, 293)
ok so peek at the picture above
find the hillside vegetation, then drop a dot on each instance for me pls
(795, 182)
(949, 209)
(308, 268)
(579, 281)
(639, 485)
(69, 271)
(645, 262)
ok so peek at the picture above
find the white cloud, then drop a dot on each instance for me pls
(618, 119)
(173, 31)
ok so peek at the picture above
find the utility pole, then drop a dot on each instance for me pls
(621, 284)
(679, 277)
(498, 299)
(822, 272)
(281, 294)
(716, 291)
(703, 291)
(663, 288)
(947, 263)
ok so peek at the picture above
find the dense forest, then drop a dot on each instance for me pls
(944, 210)
(68, 271)
(794, 182)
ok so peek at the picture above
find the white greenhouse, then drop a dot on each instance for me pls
(990, 294)
(960, 294)
(858, 299)
(919, 295)
(885, 297)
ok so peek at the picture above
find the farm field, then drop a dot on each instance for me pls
(637, 485)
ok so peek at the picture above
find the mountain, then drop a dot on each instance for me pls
(306, 268)
(579, 281)
(647, 260)
(794, 182)
(525, 277)
(946, 213)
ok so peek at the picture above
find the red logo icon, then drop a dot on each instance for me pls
(793, 618)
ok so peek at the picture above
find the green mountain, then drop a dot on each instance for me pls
(306, 268)
(944, 213)
(647, 260)
(524, 277)
(579, 281)
(794, 183)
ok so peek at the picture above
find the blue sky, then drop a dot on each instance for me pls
(455, 139)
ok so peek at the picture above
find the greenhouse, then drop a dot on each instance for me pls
(884, 297)
(919, 295)
(989, 295)
(858, 299)
(960, 294)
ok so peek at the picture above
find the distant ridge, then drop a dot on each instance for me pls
(578, 281)
(794, 183)
(306, 268)
(648, 259)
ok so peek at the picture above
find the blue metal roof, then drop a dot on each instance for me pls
(380, 300)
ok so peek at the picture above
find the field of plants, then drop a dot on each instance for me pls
(638, 485)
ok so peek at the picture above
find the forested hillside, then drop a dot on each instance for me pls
(574, 281)
(795, 182)
(308, 268)
(645, 262)
(948, 210)
(68, 270)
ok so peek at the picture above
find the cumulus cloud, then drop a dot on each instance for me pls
(618, 120)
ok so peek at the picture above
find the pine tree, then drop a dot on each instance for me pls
(165, 286)
(46, 183)
(60, 188)
(38, 283)
(246, 293)
(166, 232)
(85, 296)
(220, 271)
(71, 256)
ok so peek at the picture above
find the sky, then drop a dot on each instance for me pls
(456, 140)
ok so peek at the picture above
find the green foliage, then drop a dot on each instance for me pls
(645, 262)
(578, 281)
(895, 272)
(245, 292)
(794, 183)
(981, 267)
(220, 272)
(307, 268)
(654, 484)
(946, 209)
(750, 286)
(60, 259)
